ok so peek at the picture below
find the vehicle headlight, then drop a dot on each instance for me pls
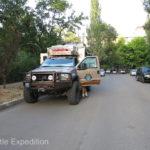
(33, 77)
(148, 76)
(50, 77)
(65, 76)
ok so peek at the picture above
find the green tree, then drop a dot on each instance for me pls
(139, 49)
(32, 31)
(21, 64)
(96, 27)
(70, 37)
(146, 4)
(11, 14)
(135, 53)
(52, 14)
(99, 34)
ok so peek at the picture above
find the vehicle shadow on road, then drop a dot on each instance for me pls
(53, 99)
(59, 100)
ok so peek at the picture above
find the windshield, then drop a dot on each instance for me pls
(146, 69)
(102, 70)
(58, 62)
(134, 70)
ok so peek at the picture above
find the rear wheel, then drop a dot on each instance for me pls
(30, 96)
(74, 94)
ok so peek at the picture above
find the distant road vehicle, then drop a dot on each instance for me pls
(122, 71)
(108, 71)
(102, 72)
(114, 71)
(133, 72)
(143, 74)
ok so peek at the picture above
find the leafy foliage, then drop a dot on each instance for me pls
(26, 32)
(101, 36)
(146, 3)
(135, 53)
(23, 63)
(11, 14)
(70, 37)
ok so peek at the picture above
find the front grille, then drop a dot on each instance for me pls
(42, 77)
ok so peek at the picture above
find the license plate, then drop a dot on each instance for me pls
(27, 85)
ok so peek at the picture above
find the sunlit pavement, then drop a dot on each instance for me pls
(115, 116)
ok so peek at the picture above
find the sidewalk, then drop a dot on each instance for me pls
(12, 84)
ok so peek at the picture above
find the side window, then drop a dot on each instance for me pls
(44, 58)
(88, 63)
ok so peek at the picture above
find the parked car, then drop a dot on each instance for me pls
(114, 71)
(102, 72)
(122, 71)
(108, 71)
(143, 74)
(133, 72)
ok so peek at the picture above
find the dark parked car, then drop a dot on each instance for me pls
(143, 74)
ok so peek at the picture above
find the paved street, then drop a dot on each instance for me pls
(115, 116)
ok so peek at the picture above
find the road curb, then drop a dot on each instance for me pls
(9, 104)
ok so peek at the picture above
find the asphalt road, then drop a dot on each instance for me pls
(115, 116)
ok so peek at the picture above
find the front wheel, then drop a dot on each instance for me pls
(73, 94)
(29, 96)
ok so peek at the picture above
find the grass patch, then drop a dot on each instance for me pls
(11, 93)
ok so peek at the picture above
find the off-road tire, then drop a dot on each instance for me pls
(73, 94)
(29, 96)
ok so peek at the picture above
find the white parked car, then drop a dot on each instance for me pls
(114, 72)
(122, 71)
(133, 72)
(108, 71)
(102, 72)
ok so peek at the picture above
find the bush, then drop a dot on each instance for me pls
(23, 63)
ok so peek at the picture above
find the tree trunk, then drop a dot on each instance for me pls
(4, 82)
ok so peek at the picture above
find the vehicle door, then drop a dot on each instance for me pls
(89, 71)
